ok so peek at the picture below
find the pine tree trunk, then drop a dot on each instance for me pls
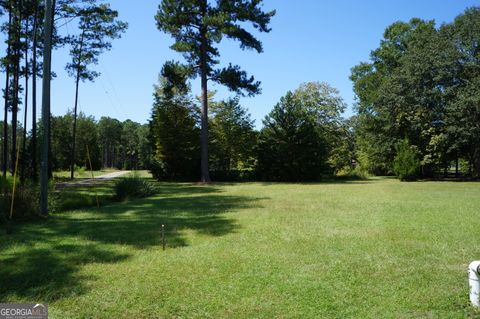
(34, 95)
(74, 129)
(25, 111)
(50, 170)
(7, 95)
(476, 164)
(16, 85)
(205, 178)
(16, 93)
(47, 57)
(470, 166)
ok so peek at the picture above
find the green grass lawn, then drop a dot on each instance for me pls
(366, 249)
(141, 173)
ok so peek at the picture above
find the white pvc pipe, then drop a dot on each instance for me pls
(474, 282)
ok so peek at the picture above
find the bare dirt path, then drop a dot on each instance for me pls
(112, 175)
(86, 182)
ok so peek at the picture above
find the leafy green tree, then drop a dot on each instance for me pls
(61, 141)
(198, 26)
(290, 146)
(324, 105)
(343, 150)
(322, 101)
(109, 135)
(130, 144)
(134, 149)
(98, 25)
(88, 143)
(406, 164)
(403, 93)
(145, 150)
(174, 133)
(462, 121)
(232, 139)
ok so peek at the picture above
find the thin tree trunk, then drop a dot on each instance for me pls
(476, 163)
(16, 87)
(50, 171)
(7, 95)
(205, 177)
(74, 130)
(24, 145)
(34, 95)
(470, 166)
(46, 108)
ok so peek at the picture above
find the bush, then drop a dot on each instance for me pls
(158, 170)
(243, 175)
(162, 171)
(349, 173)
(27, 201)
(406, 164)
(133, 187)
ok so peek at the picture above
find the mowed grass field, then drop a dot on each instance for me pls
(366, 249)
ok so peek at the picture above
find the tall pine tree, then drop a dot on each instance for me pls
(97, 26)
(197, 27)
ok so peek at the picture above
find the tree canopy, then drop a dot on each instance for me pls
(415, 87)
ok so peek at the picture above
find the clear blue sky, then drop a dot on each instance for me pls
(311, 40)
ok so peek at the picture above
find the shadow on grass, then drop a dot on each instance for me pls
(48, 274)
(324, 182)
(42, 261)
(139, 223)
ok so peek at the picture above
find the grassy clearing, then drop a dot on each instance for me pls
(365, 249)
(74, 198)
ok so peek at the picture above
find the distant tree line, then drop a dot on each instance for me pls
(108, 142)
(418, 100)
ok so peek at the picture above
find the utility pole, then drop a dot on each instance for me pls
(47, 69)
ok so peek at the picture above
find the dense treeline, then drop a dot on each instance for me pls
(303, 137)
(109, 142)
(417, 104)
(418, 99)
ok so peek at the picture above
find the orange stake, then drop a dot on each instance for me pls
(14, 182)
